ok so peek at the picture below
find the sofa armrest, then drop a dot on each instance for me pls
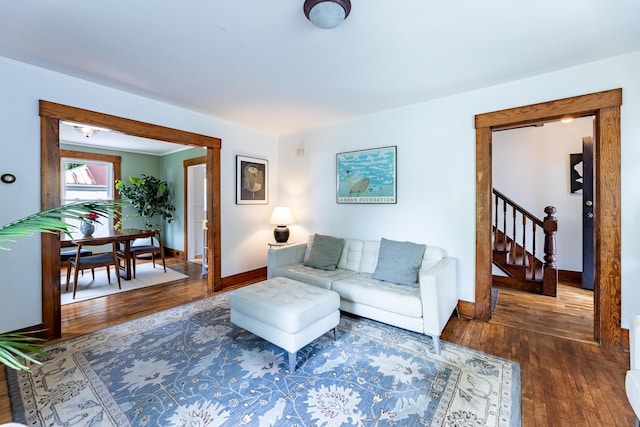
(439, 295)
(284, 255)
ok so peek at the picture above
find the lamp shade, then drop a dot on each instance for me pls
(327, 13)
(281, 216)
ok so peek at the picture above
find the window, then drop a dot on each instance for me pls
(89, 176)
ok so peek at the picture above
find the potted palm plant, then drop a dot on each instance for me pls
(149, 196)
(16, 348)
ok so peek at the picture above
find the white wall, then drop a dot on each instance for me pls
(531, 166)
(436, 168)
(245, 231)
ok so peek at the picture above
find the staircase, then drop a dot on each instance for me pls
(524, 271)
(516, 247)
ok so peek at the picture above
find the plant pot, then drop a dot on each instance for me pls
(87, 228)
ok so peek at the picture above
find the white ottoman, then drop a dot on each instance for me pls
(632, 385)
(285, 312)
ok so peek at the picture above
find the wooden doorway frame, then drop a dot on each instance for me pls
(50, 116)
(605, 107)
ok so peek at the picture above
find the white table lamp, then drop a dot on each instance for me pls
(281, 217)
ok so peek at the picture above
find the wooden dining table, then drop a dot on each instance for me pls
(123, 238)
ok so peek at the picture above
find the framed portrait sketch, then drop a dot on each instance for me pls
(575, 172)
(251, 181)
(367, 176)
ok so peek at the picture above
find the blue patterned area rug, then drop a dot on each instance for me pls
(180, 367)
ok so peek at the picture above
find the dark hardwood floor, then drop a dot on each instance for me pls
(569, 315)
(567, 380)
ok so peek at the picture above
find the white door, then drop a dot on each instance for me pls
(196, 211)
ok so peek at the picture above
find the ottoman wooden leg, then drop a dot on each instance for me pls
(335, 333)
(233, 332)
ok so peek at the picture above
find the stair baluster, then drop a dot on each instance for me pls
(524, 241)
(532, 265)
(514, 237)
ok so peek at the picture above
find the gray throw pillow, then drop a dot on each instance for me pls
(325, 252)
(399, 262)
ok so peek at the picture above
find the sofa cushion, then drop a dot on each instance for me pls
(370, 250)
(399, 262)
(325, 252)
(310, 275)
(362, 289)
(351, 255)
(308, 248)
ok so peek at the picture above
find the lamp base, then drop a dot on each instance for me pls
(281, 234)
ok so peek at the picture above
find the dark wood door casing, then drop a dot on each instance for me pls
(605, 106)
(50, 116)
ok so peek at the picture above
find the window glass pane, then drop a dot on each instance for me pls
(84, 180)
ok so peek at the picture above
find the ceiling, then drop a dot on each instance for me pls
(261, 64)
(117, 141)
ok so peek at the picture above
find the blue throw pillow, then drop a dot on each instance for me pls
(399, 262)
(325, 252)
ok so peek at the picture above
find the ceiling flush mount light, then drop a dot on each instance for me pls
(86, 130)
(326, 13)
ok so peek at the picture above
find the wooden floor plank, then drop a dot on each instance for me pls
(569, 315)
(566, 379)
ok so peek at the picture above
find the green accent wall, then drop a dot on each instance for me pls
(173, 168)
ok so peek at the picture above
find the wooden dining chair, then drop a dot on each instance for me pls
(152, 249)
(80, 262)
(68, 253)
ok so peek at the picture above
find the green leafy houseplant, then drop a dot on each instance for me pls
(18, 347)
(149, 196)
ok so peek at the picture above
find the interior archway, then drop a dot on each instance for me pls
(605, 106)
(50, 116)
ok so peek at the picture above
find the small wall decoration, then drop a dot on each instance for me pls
(8, 178)
(367, 176)
(251, 181)
(575, 172)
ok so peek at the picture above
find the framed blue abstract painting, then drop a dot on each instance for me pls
(367, 176)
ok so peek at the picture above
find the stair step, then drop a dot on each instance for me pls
(520, 272)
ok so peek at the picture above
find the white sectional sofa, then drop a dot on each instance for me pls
(423, 307)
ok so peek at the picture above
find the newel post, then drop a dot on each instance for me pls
(550, 276)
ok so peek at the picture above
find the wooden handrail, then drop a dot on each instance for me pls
(519, 208)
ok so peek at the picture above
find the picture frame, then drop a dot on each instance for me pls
(367, 176)
(252, 181)
(575, 173)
